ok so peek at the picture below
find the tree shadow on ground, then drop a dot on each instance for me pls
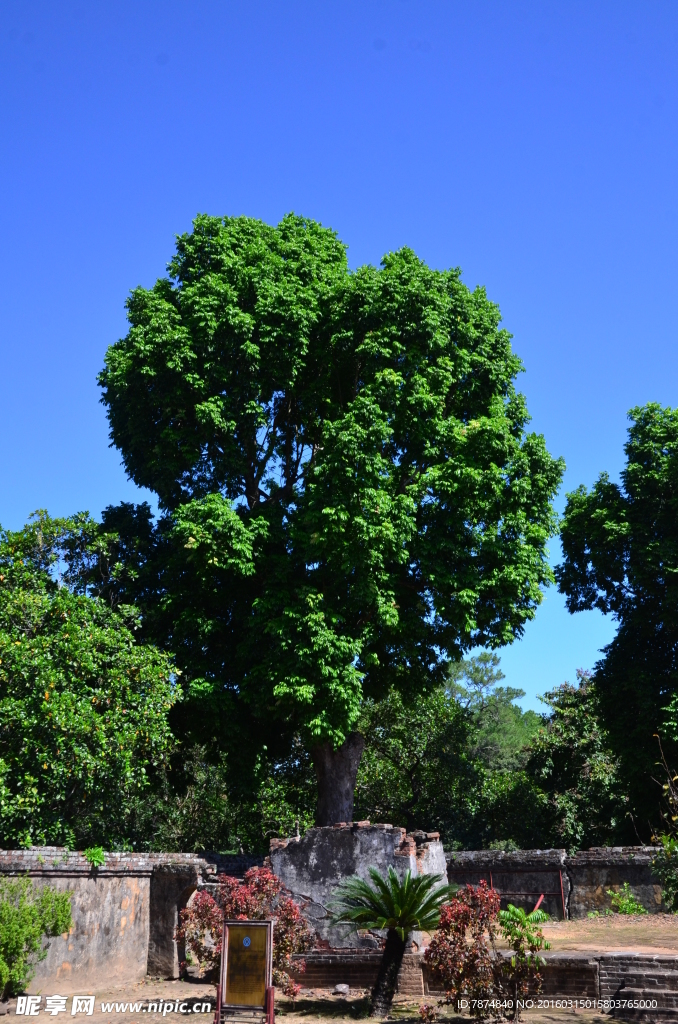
(356, 1009)
(317, 1006)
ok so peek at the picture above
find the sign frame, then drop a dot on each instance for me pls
(250, 1011)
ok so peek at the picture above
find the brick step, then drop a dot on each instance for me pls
(666, 1009)
(614, 964)
(640, 979)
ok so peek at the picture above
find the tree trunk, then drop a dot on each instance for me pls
(336, 772)
(387, 979)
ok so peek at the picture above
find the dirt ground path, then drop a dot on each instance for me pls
(176, 1000)
(173, 1001)
(649, 933)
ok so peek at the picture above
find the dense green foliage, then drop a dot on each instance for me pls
(90, 758)
(83, 707)
(620, 543)
(536, 781)
(28, 915)
(349, 493)
(416, 766)
(571, 761)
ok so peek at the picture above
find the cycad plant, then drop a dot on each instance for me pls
(397, 907)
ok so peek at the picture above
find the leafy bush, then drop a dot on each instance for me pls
(460, 953)
(525, 938)
(624, 902)
(261, 896)
(28, 914)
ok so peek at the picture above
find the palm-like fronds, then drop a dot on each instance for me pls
(411, 905)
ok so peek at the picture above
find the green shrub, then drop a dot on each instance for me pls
(665, 867)
(28, 914)
(525, 939)
(624, 902)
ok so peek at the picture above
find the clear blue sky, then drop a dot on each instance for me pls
(533, 145)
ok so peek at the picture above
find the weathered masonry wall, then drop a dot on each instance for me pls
(313, 865)
(520, 877)
(565, 976)
(573, 886)
(124, 914)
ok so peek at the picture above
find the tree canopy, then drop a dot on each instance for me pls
(620, 543)
(83, 707)
(350, 495)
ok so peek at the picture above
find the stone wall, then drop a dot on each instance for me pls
(573, 886)
(565, 975)
(593, 872)
(124, 914)
(521, 877)
(312, 866)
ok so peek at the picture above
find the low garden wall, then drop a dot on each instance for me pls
(573, 886)
(124, 914)
(565, 976)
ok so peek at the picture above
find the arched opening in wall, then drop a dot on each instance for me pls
(171, 888)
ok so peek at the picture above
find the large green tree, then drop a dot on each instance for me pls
(620, 543)
(349, 494)
(83, 706)
(571, 764)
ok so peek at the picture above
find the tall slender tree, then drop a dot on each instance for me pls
(349, 495)
(620, 543)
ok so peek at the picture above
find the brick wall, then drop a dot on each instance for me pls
(565, 975)
(573, 885)
(124, 914)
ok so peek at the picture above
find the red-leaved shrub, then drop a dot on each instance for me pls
(460, 953)
(260, 896)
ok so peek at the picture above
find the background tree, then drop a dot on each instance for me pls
(83, 707)
(501, 730)
(455, 761)
(620, 543)
(416, 770)
(349, 495)
(571, 762)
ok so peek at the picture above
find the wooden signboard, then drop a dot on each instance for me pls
(246, 978)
